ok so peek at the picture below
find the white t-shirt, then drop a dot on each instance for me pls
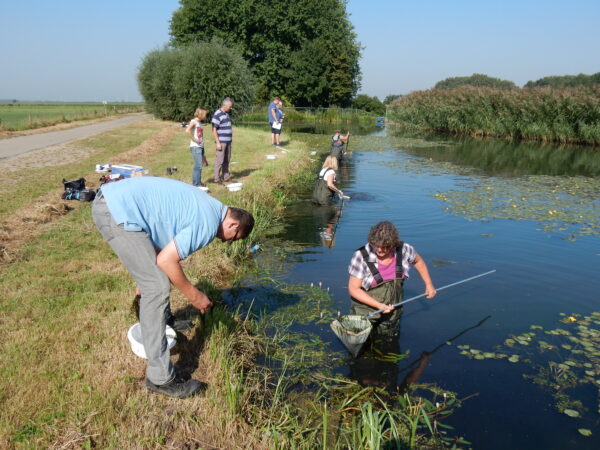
(324, 171)
(197, 133)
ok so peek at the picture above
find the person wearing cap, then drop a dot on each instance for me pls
(337, 144)
(152, 224)
(223, 133)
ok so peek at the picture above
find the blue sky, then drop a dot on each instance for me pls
(79, 50)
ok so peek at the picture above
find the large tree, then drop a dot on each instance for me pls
(176, 81)
(278, 40)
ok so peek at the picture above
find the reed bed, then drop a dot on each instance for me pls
(570, 115)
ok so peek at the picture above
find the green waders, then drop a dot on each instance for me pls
(388, 293)
(337, 151)
(322, 195)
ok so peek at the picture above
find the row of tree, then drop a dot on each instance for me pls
(482, 80)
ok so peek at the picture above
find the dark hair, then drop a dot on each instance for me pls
(246, 221)
(385, 235)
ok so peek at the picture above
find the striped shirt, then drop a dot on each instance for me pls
(222, 122)
(358, 267)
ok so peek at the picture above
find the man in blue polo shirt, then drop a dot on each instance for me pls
(223, 134)
(152, 224)
(273, 117)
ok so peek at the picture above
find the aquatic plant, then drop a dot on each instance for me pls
(559, 359)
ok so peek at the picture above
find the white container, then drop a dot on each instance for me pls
(135, 339)
(271, 156)
(234, 187)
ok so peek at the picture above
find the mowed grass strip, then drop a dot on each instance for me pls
(68, 377)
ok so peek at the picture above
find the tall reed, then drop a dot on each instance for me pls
(543, 114)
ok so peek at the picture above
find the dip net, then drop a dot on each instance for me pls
(353, 331)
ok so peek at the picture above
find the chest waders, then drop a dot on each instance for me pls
(337, 150)
(322, 195)
(386, 292)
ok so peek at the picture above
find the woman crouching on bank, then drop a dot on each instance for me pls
(377, 273)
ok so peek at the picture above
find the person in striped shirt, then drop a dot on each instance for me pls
(223, 134)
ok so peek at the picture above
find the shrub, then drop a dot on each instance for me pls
(174, 82)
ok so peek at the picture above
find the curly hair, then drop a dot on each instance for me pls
(384, 235)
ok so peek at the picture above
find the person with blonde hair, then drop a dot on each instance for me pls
(377, 273)
(194, 129)
(325, 183)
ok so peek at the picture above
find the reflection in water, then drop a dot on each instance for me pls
(498, 157)
(378, 366)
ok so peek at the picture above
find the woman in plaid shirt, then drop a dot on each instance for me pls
(377, 272)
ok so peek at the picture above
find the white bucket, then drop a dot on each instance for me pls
(135, 339)
(234, 187)
(271, 156)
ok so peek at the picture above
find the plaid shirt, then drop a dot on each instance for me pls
(358, 267)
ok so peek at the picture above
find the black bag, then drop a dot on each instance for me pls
(75, 185)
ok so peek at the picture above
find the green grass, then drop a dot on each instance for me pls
(24, 116)
(68, 377)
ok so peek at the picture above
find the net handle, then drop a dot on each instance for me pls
(395, 305)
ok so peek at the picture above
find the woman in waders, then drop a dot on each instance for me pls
(324, 184)
(377, 273)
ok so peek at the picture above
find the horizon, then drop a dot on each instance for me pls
(92, 51)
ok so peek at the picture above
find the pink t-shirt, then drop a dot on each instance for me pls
(387, 271)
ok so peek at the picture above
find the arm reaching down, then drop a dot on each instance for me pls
(168, 261)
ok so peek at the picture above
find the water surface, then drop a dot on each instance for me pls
(542, 271)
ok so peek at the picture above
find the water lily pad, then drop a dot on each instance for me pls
(509, 342)
(474, 351)
(588, 365)
(571, 413)
(536, 327)
(489, 355)
(463, 347)
(571, 363)
(591, 373)
(479, 356)
(514, 358)
(584, 432)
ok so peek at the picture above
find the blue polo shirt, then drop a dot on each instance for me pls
(272, 106)
(167, 210)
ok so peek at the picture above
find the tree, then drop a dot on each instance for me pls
(274, 36)
(176, 81)
(390, 98)
(477, 80)
(370, 104)
(565, 81)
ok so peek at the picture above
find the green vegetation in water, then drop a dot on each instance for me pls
(569, 206)
(560, 360)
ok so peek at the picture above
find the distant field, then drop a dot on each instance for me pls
(24, 116)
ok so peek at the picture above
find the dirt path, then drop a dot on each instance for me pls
(12, 147)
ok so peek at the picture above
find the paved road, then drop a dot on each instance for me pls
(12, 147)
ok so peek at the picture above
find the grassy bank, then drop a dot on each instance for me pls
(67, 376)
(543, 114)
(27, 116)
